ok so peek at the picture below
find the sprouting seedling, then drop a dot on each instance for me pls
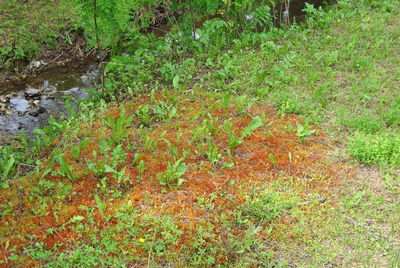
(143, 114)
(8, 167)
(141, 168)
(173, 173)
(136, 158)
(253, 125)
(212, 153)
(153, 94)
(148, 143)
(164, 111)
(211, 124)
(89, 117)
(106, 160)
(103, 185)
(243, 103)
(179, 135)
(76, 150)
(273, 160)
(121, 176)
(228, 165)
(100, 205)
(225, 102)
(303, 132)
(173, 149)
(97, 166)
(120, 126)
(175, 82)
(233, 140)
(65, 169)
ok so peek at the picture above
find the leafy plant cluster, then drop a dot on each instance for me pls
(194, 28)
(122, 23)
(379, 148)
(156, 236)
(267, 205)
(22, 155)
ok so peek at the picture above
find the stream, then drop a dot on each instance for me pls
(30, 106)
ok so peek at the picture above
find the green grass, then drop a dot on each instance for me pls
(376, 149)
(362, 231)
(28, 28)
(344, 75)
(335, 70)
(339, 71)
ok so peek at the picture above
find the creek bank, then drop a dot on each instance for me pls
(30, 106)
(37, 92)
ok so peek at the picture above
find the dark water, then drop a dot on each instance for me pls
(296, 6)
(21, 111)
(296, 13)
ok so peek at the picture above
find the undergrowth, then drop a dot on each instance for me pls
(29, 28)
(214, 157)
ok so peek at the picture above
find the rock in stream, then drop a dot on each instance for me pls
(31, 107)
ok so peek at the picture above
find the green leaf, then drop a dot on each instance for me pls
(141, 167)
(76, 218)
(175, 82)
(9, 166)
(100, 205)
(136, 158)
(253, 125)
(273, 160)
(228, 165)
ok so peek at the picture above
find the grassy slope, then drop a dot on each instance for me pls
(343, 70)
(28, 28)
(334, 74)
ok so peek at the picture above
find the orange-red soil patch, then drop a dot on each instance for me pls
(302, 161)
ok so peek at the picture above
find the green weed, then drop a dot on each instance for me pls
(212, 153)
(66, 170)
(119, 126)
(7, 163)
(233, 140)
(149, 144)
(144, 115)
(267, 205)
(376, 148)
(244, 103)
(141, 167)
(253, 125)
(303, 132)
(107, 161)
(76, 150)
(173, 173)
